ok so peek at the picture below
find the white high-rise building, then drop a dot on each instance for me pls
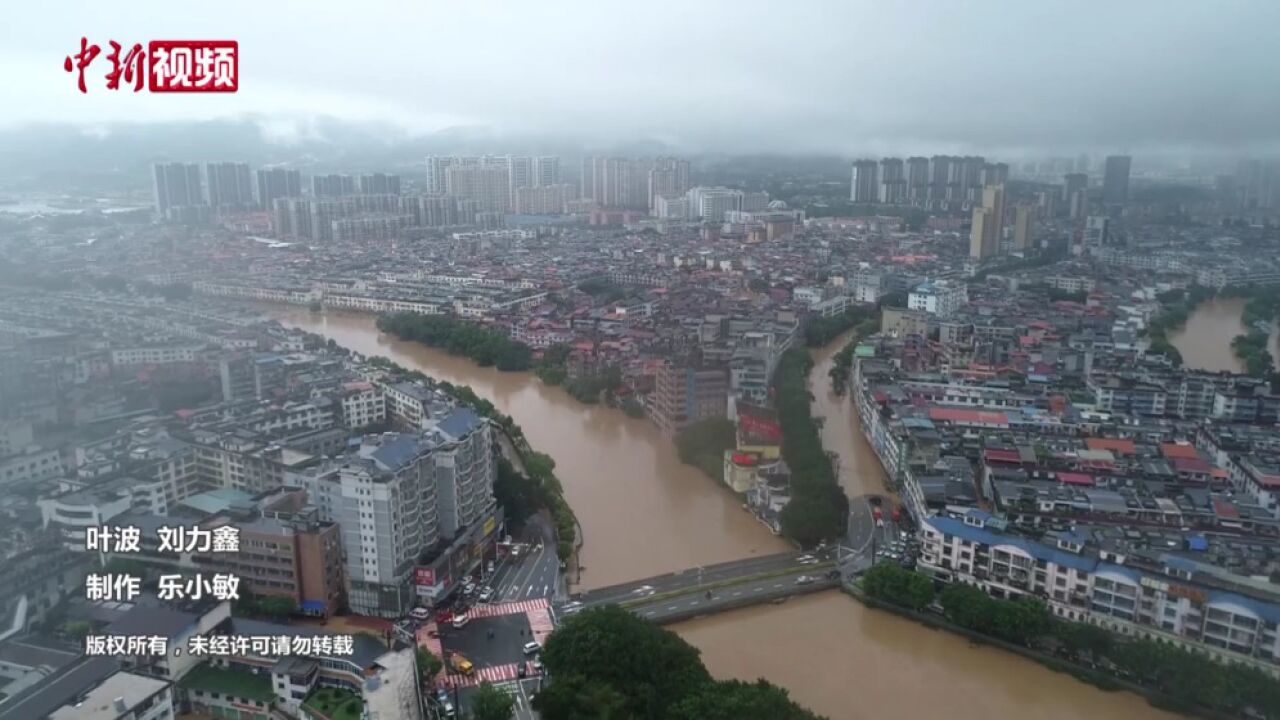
(519, 173)
(546, 171)
(398, 496)
(711, 203)
(488, 184)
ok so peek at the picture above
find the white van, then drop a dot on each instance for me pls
(532, 648)
(460, 621)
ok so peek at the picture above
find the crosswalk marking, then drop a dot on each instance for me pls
(508, 608)
(493, 674)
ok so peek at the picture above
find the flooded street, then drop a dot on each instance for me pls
(644, 513)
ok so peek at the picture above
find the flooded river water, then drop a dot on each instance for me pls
(644, 513)
(1205, 341)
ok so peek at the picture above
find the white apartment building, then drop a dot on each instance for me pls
(409, 403)
(942, 297)
(156, 355)
(711, 203)
(397, 496)
(363, 404)
(1104, 590)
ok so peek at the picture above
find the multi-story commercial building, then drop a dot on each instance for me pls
(1115, 181)
(671, 208)
(685, 394)
(228, 186)
(397, 496)
(942, 297)
(277, 183)
(1097, 231)
(711, 203)
(176, 185)
(864, 187)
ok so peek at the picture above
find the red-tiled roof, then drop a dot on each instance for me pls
(971, 417)
(999, 455)
(1072, 478)
(1178, 450)
(1192, 465)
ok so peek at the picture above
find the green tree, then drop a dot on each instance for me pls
(574, 697)
(518, 495)
(702, 444)
(490, 703)
(428, 664)
(810, 518)
(893, 583)
(649, 666)
(966, 606)
(737, 700)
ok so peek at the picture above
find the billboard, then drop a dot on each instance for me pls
(760, 427)
(424, 576)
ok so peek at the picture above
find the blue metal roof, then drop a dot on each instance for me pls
(951, 526)
(460, 422)
(397, 452)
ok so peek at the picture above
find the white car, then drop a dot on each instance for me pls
(643, 590)
(460, 621)
(420, 613)
(807, 560)
(804, 579)
(486, 595)
(532, 648)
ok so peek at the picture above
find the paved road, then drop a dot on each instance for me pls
(693, 577)
(522, 690)
(696, 603)
(536, 573)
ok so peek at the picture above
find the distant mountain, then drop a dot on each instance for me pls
(56, 157)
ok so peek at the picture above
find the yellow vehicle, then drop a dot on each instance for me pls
(461, 664)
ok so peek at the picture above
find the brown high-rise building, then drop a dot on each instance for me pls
(1023, 226)
(684, 394)
(988, 224)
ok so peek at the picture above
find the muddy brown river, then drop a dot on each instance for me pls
(644, 513)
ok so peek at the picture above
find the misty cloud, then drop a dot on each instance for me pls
(809, 76)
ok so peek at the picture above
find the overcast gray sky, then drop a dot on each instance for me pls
(841, 76)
